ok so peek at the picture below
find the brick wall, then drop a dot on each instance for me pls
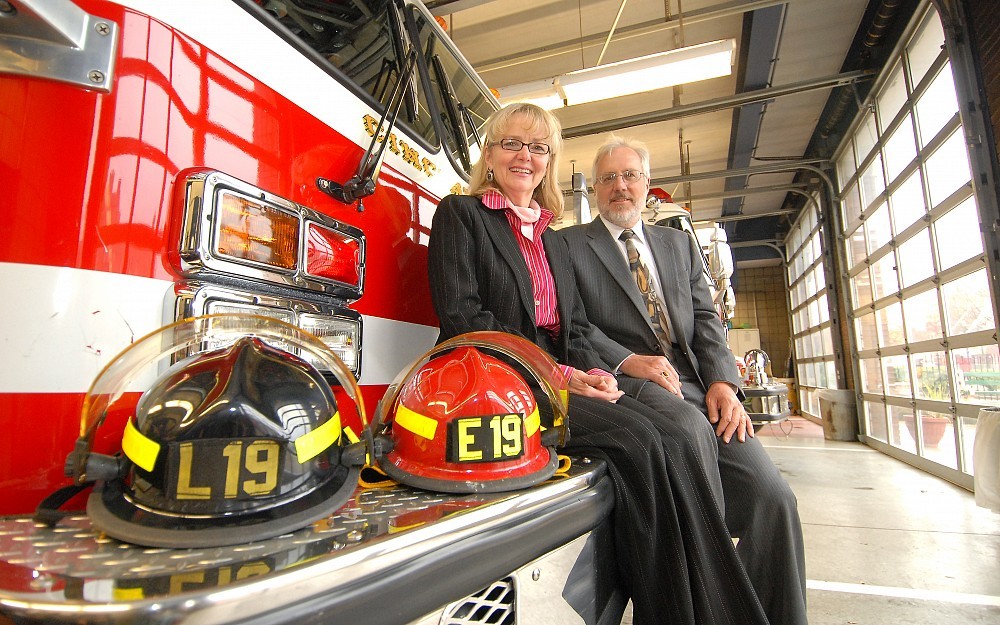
(761, 302)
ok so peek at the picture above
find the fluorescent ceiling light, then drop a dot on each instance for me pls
(646, 73)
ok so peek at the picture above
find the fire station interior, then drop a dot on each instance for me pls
(847, 166)
(837, 164)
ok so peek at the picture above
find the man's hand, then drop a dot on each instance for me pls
(654, 368)
(727, 413)
(596, 386)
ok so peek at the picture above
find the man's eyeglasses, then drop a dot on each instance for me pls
(513, 145)
(630, 176)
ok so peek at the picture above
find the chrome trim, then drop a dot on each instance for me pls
(326, 560)
(198, 232)
(58, 40)
(191, 299)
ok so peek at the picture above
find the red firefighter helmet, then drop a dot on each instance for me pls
(466, 421)
(238, 443)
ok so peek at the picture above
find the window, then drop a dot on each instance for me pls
(915, 260)
(948, 168)
(366, 45)
(938, 105)
(900, 149)
(966, 306)
(459, 99)
(959, 224)
(907, 202)
(811, 326)
(919, 288)
(923, 317)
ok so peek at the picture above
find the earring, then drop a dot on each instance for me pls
(542, 182)
(489, 175)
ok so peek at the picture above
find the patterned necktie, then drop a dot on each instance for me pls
(640, 272)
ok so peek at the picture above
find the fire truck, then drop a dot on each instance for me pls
(282, 158)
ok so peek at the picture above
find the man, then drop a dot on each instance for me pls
(671, 354)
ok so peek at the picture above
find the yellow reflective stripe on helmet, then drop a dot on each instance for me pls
(351, 436)
(312, 444)
(138, 448)
(415, 422)
(532, 423)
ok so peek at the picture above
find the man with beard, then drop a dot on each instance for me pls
(653, 316)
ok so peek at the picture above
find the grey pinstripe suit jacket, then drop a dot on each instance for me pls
(614, 306)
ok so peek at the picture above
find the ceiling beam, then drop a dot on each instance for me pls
(725, 9)
(716, 104)
(775, 213)
(776, 188)
(447, 7)
(761, 39)
(770, 168)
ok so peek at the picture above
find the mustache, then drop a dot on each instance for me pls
(621, 196)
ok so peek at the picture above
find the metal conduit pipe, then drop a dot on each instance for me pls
(735, 192)
(728, 218)
(772, 168)
(717, 104)
(798, 189)
(771, 244)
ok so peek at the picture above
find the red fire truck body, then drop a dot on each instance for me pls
(93, 175)
(163, 160)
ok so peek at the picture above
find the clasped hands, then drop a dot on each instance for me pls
(594, 385)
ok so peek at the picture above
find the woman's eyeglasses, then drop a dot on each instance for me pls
(513, 145)
(630, 176)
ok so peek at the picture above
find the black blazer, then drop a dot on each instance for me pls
(616, 309)
(479, 281)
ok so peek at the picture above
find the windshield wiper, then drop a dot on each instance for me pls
(467, 116)
(362, 184)
(400, 44)
(455, 120)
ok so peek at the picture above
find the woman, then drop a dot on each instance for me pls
(495, 265)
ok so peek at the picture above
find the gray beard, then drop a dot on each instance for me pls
(622, 218)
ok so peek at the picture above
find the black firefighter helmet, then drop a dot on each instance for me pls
(239, 443)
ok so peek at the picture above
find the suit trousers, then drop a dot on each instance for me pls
(760, 508)
(675, 557)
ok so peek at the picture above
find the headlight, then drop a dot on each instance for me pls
(233, 228)
(340, 328)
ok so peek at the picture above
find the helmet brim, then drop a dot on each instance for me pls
(113, 513)
(458, 484)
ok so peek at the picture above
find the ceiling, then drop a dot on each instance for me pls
(794, 60)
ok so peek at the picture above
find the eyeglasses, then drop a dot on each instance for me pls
(630, 176)
(513, 145)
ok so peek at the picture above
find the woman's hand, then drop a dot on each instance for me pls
(596, 386)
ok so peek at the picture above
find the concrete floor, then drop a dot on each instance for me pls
(886, 544)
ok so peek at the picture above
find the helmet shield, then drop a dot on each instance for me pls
(462, 420)
(239, 442)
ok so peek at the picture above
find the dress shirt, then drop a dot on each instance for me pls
(543, 285)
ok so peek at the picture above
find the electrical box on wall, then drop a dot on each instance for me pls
(742, 340)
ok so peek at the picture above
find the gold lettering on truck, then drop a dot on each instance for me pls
(401, 148)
